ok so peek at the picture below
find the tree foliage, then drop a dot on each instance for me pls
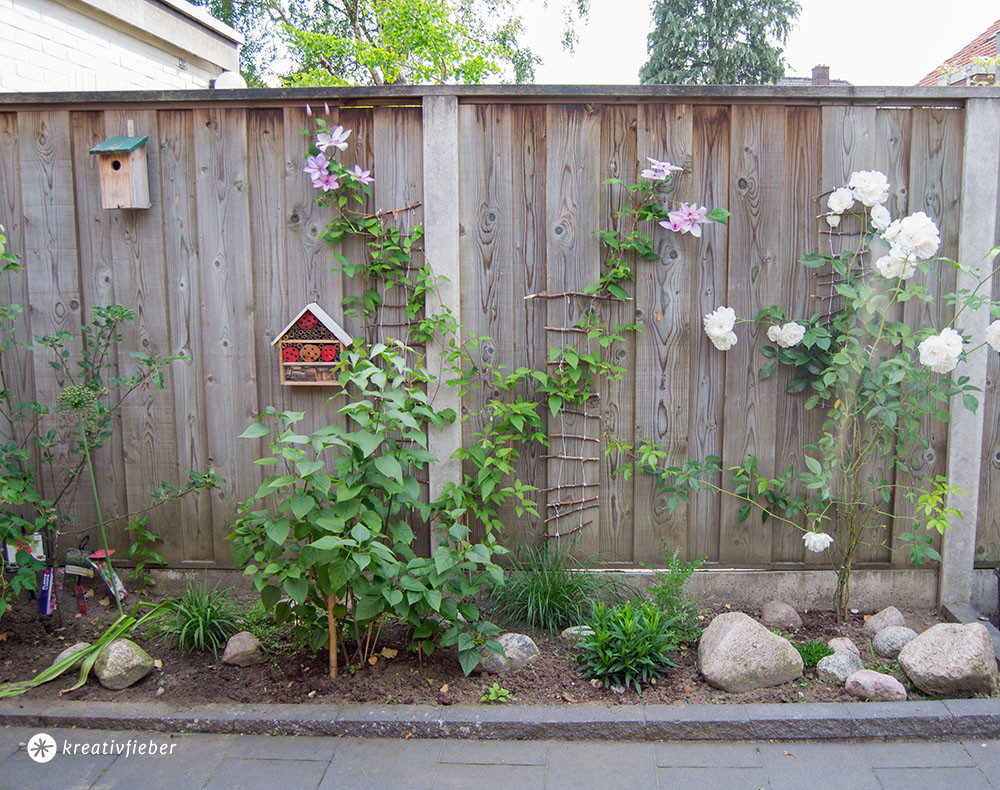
(252, 20)
(718, 42)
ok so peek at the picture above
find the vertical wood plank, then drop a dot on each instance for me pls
(573, 264)
(227, 308)
(662, 362)
(755, 274)
(148, 431)
(184, 306)
(617, 513)
(709, 288)
(795, 427)
(528, 275)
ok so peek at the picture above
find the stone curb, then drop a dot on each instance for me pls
(969, 718)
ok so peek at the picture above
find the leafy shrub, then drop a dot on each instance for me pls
(813, 651)
(629, 645)
(201, 620)
(673, 601)
(544, 590)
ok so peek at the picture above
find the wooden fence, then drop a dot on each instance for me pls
(231, 250)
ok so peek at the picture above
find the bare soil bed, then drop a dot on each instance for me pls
(29, 643)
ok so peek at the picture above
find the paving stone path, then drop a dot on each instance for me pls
(302, 763)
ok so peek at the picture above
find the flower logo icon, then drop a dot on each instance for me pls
(42, 747)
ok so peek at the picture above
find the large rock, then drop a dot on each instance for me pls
(778, 614)
(121, 664)
(736, 653)
(70, 651)
(243, 650)
(889, 641)
(838, 667)
(519, 649)
(867, 684)
(950, 658)
(887, 617)
(844, 643)
(575, 634)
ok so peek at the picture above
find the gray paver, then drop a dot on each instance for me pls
(377, 764)
(11, 737)
(985, 754)
(239, 773)
(194, 760)
(69, 772)
(714, 778)
(622, 766)
(707, 755)
(931, 778)
(794, 766)
(916, 755)
(291, 747)
(495, 752)
(451, 776)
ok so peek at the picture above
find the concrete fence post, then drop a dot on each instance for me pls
(441, 245)
(977, 227)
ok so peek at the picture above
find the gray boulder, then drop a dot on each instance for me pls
(778, 614)
(889, 641)
(70, 651)
(887, 617)
(838, 667)
(243, 650)
(844, 643)
(867, 684)
(575, 634)
(519, 649)
(950, 658)
(736, 653)
(121, 664)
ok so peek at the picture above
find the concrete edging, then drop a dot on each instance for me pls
(967, 718)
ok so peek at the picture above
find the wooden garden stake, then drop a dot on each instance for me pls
(332, 626)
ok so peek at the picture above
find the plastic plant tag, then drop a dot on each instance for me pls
(109, 575)
(47, 593)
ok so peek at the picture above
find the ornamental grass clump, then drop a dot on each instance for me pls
(630, 645)
(200, 620)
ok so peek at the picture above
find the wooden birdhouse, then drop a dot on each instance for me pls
(124, 173)
(310, 348)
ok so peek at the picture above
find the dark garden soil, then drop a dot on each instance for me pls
(29, 643)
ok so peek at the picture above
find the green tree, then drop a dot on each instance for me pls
(718, 42)
(252, 19)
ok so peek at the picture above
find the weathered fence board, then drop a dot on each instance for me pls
(233, 247)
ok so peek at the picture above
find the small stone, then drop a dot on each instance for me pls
(778, 614)
(243, 650)
(160, 691)
(121, 664)
(491, 662)
(70, 651)
(887, 617)
(838, 667)
(595, 683)
(519, 649)
(867, 684)
(618, 689)
(889, 641)
(839, 643)
(950, 658)
(575, 634)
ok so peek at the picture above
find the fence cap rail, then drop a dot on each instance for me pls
(413, 94)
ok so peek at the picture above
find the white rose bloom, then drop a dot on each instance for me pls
(913, 235)
(817, 541)
(869, 186)
(774, 332)
(880, 217)
(724, 342)
(937, 354)
(890, 267)
(993, 335)
(951, 339)
(720, 321)
(840, 200)
(833, 220)
(791, 334)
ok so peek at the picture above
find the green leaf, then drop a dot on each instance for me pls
(469, 660)
(255, 431)
(360, 533)
(368, 442)
(369, 607)
(433, 598)
(328, 542)
(970, 402)
(269, 596)
(277, 530)
(390, 467)
(443, 559)
(767, 370)
(618, 291)
(297, 589)
(301, 504)
(814, 466)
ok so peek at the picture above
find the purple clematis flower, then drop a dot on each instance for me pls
(657, 170)
(326, 181)
(364, 176)
(688, 219)
(316, 166)
(336, 139)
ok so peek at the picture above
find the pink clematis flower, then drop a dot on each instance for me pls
(364, 176)
(689, 219)
(336, 139)
(676, 227)
(316, 166)
(658, 171)
(326, 181)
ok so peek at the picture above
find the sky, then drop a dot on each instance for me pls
(866, 42)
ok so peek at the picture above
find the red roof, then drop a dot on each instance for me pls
(983, 45)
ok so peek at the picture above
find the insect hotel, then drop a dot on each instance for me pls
(310, 348)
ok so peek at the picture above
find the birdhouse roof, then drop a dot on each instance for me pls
(119, 145)
(324, 319)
